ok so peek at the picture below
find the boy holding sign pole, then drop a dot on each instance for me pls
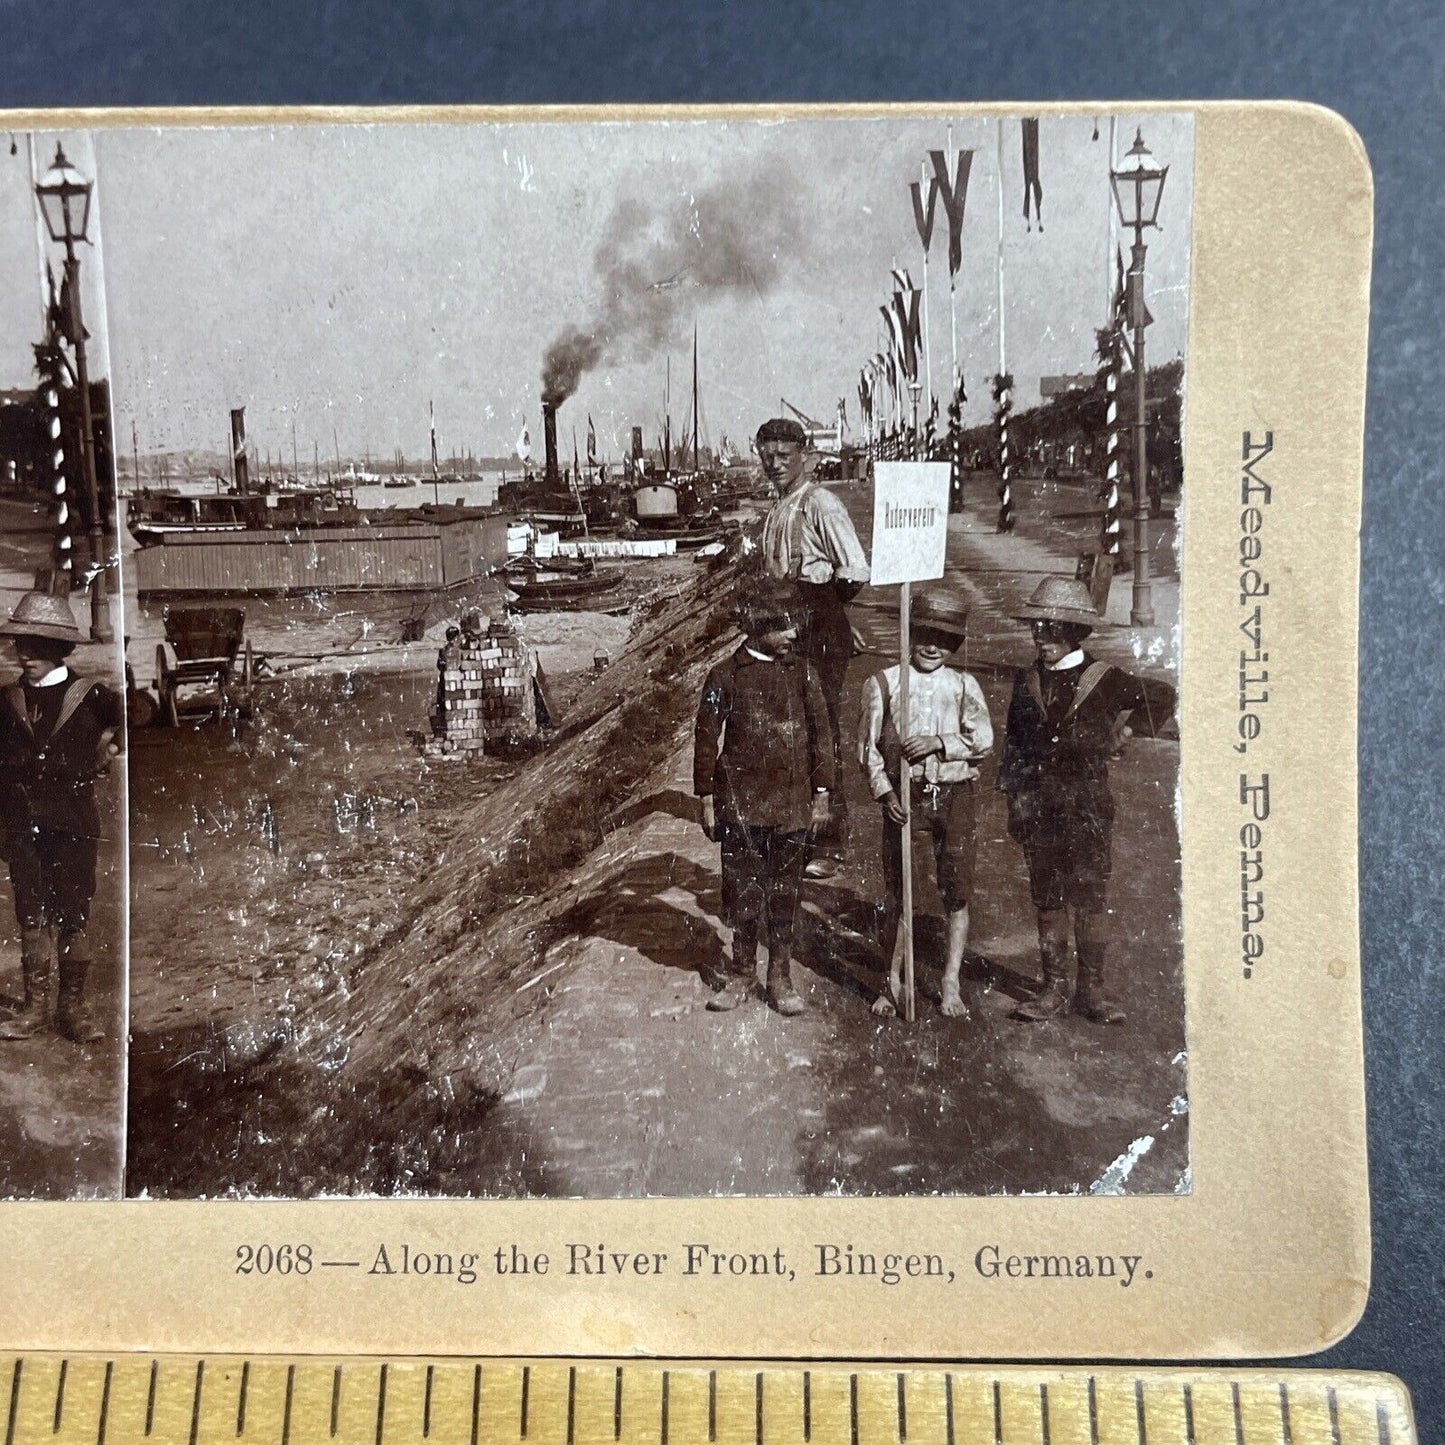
(910, 539)
(931, 720)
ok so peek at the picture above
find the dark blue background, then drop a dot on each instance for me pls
(1382, 65)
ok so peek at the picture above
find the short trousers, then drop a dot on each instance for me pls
(52, 875)
(942, 822)
(1069, 866)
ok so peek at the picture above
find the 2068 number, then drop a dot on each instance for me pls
(274, 1259)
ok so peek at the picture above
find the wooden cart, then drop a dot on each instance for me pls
(213, 659)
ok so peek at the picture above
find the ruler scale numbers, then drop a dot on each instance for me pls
(220, 1400)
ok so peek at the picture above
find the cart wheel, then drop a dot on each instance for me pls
(141, 709)
(248, 668)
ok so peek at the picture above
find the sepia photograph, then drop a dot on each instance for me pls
(651, 653)
(62, 704)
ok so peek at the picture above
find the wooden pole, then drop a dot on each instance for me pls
(927, 342)
(952, 303)
(905, 794)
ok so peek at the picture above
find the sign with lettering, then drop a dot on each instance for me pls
(910, 521)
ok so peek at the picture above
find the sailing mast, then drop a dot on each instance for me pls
(667, 421)
(696, 456)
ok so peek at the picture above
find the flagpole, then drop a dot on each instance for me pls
(927, 344)
(40, 253)
(1004, 397)
(952, 292)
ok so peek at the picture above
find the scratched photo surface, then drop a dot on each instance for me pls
(512, 788)
(62, 780)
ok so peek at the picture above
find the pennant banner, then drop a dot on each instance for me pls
(953, 192)
(923, 217)
(910, 328)
(1033, 188)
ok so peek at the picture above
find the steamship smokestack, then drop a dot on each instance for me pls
(239, 469)
(549, 428)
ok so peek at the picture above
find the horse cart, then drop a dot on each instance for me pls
(214, 667)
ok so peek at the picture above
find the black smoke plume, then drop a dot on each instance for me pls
(737, 236)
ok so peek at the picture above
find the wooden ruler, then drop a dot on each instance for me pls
(219, 1400)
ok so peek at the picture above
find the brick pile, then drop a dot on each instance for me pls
(485, 699)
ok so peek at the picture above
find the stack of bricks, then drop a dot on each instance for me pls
(485, 699)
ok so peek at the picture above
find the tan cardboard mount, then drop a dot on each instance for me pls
(1269, 1254)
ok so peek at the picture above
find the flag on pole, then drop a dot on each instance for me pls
(1033, 187)
(910, 329)
(591, 442)
(923, 216)
(893, 324)
(902, 281)
(953, 192)
(524, 444)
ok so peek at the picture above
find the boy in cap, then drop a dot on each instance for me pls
(942, 740)
(763, 766)
(58, 732)
(1068, 716)
(809, 541)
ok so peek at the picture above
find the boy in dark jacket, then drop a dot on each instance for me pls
(763, 765)
(58, 732)
(1069, 715)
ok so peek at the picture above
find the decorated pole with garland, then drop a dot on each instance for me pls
(62, 551)
(1003, 383)
(1003, 386)
(955, 445)
(1113, 522)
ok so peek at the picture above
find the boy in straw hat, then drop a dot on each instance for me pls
(941, 742)
(1068, 716)
(763, 768)
(58, 732)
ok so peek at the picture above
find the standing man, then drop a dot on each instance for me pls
(1069, 715)
(809, 540)
(58, 733)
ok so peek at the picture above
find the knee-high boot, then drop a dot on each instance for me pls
(71, 1020)
(1091, 930)
(35, 968)
(1053, 998)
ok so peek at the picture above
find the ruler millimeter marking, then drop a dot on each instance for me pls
(219, 1400)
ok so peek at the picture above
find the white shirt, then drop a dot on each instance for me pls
(1074, 659)
(55, 676)
(809, 536)
(946, 703)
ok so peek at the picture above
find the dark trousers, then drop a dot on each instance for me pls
(941, 821)
(762, 877)
(827, 641)
(52, 875)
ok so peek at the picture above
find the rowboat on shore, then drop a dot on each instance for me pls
(557, 592)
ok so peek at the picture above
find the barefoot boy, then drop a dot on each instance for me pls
(763, 767)
(941, 742)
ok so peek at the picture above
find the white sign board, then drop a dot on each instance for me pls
(910, 521)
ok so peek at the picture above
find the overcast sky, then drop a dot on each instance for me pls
(343, 276)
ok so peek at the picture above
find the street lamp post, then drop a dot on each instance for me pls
(65, 202)
(915, 390)
(1138, 185)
